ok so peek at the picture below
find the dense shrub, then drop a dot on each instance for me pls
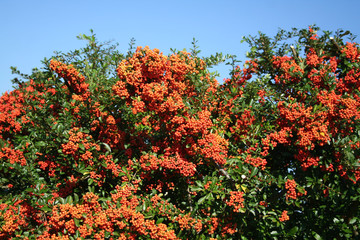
(101, 145)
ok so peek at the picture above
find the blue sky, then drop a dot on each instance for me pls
(32, 30)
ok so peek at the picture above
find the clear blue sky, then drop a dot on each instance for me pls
(32, 30)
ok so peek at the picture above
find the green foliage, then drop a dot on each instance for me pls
(100, 144)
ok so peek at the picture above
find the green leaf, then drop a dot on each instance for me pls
(199, 183)
(40, 144)
(160, 220)
(316, 236)
(76, 198)
(293, 231)
(349, 155)
(194, 189)
(69, 200)
(77, 222)
(201, 200)
(254, 172)
(352, 176)
(81, 146)
(90, 181)
(353, 220)
(91, 189)
(106, 146)
(46, 208)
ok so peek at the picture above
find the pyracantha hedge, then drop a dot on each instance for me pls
(99, 145)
